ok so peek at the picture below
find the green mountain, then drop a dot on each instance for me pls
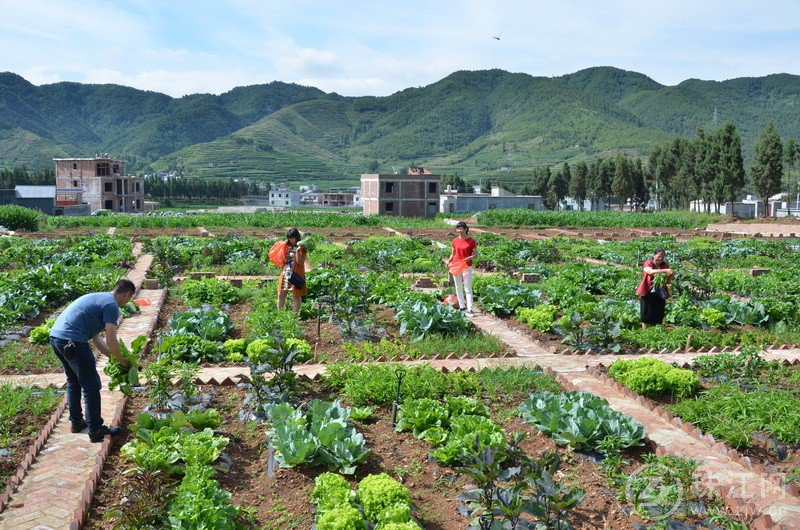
(472, 122)
(73, 119)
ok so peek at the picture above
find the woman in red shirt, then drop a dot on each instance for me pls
(653, 303)
(464, 251)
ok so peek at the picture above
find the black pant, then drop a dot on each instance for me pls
(652, 308)
(81, 369)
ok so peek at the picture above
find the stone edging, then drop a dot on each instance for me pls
(30, 456)
(732, 501)
(80, 513)
(665, 351)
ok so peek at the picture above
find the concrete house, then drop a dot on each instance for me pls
(102, 183)
(451, 201)
(284, 196)
(412, 194)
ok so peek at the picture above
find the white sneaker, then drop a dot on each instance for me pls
(470, 313)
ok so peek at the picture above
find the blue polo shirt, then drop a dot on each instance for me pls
(86, 317)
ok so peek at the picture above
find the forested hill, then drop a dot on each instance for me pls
(472, 122)
(73, 119)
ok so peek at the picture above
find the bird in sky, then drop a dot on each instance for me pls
(497, 37)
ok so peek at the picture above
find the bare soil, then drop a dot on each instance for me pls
(282, 501)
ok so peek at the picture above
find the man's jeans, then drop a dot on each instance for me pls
(81, 369)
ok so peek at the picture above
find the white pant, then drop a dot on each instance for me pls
(464, 285)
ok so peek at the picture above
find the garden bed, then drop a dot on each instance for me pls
(283, 501)
(24, 412)
(724, 406)
(21, 358)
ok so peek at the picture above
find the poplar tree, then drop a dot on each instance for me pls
(577, 184)
(767, 168)
(622, 184)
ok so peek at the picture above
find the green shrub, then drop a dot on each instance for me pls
(18, 217)
(346, 518)
(654, 378)
(540, 317)
(376, 493)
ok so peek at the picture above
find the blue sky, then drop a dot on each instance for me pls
(379, 47)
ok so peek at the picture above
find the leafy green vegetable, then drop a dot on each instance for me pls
(322, 436)
(130, 309)
(209, 324)
(41, 334)
(420, 319)
(378, 493)
(540, 317)
(420, 415)
(125, 377)
(208, 291)
(201, 503)
(345, 518)
(331, 491)
(580, 419)
(654, 378)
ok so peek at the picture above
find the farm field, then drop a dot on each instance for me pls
(380, 406)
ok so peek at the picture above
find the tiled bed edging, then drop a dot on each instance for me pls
(734, 502)
(665, 351)
(80, 513)
(792, 488)
(31, 454)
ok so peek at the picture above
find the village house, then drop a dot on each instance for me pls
(100, 182)
(411, 194)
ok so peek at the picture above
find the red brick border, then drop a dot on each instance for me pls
(80, 513)
(31, 454)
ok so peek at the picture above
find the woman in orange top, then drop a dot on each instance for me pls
(295, 263)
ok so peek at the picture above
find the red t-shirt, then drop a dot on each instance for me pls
(647, 280)
(463, 248)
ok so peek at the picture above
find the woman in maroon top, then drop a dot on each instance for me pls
(653, 302)
(464, 251)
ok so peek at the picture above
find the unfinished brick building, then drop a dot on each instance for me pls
(411, 194)
(102, 182)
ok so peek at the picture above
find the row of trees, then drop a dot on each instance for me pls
(708, 167)
(21, 176)
(198, 189)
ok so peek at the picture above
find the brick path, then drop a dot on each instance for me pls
(60, 475)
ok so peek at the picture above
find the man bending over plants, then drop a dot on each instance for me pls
(80, 322)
